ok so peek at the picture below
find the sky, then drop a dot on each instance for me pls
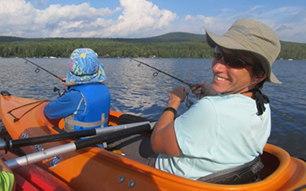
(146, 18)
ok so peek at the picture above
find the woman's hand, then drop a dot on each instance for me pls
(202, 90)
(178, 94)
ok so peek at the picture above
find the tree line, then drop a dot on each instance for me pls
(113, 49)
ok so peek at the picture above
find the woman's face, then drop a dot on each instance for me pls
(227, 79)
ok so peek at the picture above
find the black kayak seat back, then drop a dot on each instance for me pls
(128, 118)
(246, 173)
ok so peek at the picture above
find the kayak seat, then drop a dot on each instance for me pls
(127, 118)
(271, 163)
(246, 173)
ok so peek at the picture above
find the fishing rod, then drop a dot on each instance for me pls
(39, 67)
(156, 73)
(188, 102)
(55, 89)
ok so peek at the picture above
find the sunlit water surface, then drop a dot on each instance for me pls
(135, 90)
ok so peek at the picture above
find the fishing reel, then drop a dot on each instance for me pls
(60, 94)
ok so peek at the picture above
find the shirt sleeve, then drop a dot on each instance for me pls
(64, 106)
(197, 130)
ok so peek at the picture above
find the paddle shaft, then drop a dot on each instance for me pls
(9, 144)
(79, 144)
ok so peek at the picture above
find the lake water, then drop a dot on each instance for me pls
(134, 89)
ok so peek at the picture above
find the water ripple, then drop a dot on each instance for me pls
(135, 90)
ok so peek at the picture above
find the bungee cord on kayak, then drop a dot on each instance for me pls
(36, 104)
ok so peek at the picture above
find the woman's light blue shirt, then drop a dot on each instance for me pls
(217, 133)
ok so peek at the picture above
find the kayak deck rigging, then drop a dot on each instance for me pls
(27, 111)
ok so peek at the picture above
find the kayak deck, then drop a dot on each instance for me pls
(97, 169)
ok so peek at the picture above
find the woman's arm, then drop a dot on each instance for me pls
(163, 138)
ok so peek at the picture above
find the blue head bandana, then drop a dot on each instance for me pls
(84, 68)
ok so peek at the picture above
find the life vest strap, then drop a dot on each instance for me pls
(70, 123)
(86, 124)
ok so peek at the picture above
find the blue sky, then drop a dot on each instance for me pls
(145, 18)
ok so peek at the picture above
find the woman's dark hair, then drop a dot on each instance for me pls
(257, 68)
(258, 71)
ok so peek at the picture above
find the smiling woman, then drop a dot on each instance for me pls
(218, 132)
(210, 137)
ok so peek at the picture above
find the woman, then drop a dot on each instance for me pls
(226, 131)
(86, 105)
(222, 132)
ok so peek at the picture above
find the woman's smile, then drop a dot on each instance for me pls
(228, 79)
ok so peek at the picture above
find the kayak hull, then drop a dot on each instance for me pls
(93, 168)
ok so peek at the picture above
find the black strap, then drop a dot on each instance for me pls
(172, 110)
(260, 99)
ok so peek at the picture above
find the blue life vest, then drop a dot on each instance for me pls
(97, 105)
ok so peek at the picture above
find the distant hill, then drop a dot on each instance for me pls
(170, 45)
(169, 37)
(8, 39)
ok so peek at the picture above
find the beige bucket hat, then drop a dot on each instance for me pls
(252, 36)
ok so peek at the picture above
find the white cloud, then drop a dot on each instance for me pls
(136, 18)
(289, 23)
(139, 17)
(21, 18)
(189, 18)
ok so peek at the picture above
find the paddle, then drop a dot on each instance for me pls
(9, 144)
(79, 144)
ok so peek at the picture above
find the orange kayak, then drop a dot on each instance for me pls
(93, 168)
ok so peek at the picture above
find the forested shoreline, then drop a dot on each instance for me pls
(113, 48)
